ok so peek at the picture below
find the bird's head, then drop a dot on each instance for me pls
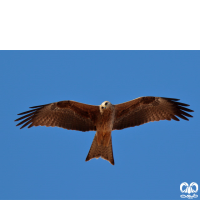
(105, 105)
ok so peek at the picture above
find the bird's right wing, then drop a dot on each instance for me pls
(148, 109)
(66, 114)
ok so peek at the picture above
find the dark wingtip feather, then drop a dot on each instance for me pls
(29, 111)
(40, 106)
(26, 124)
(171, 99)
(185, 109)
(175, 118)
(183, 117)
(180, 109)
(29, 116)
(25, 116)
(182, 104)
(31, 125)
(186, 114)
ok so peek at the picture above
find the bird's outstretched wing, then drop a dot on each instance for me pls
(148, 109)
(66, 114)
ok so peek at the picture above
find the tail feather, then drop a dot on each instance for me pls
(102, 151)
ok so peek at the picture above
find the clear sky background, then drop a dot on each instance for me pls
(151, 160)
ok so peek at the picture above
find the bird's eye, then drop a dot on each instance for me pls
(106, 103)
(102, 107)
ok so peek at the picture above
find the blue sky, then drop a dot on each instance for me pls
(151, 161)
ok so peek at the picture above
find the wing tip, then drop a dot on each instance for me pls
(39, 106)
(28, 116)
(180, 109)
(172, 99)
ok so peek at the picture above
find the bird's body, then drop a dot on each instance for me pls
(104, 118)
(102, 142)
(104, 124)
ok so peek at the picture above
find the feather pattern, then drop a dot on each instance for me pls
(146, 109)
(66, 114)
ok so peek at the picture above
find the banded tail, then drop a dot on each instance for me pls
(102, 151)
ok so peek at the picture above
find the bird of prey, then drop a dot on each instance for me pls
(103, 119)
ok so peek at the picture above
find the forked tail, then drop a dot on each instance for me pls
(102, 151)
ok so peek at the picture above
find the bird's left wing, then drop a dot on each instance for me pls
(66, 114)
(148, 109)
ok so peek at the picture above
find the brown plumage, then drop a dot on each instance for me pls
(104, 118)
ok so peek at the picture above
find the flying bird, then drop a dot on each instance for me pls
(103, 119)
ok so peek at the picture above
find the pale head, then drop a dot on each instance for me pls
(105, 105)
